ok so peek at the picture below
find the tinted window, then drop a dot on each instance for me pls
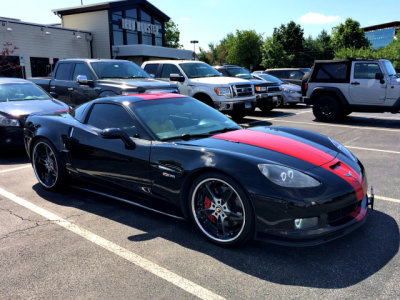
(295, 75)
(366, 70)
(332, 72)
(168, 69)
(82, 69)
(118, 69)
(151, 69)
(279, 74)
(63, 72)
(105, 116)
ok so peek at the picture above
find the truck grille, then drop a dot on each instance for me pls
(273, 89)
(243, 90)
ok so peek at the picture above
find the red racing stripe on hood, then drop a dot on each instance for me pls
(298, 150)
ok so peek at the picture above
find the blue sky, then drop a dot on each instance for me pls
(209, 21)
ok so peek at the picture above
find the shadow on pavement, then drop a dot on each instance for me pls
(13, 157)
(372, 121)
(337, 264)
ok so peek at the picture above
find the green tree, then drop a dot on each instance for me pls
(349, 35)
(245, 49)
(274, 55)
(172, 35)
(291, 37)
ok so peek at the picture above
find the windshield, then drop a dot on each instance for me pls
(239, 72)
(21, 91)
(181, 118)
(118, 69)
(270, 78)
(197, 70)
(389, 68)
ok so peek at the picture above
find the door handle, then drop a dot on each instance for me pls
(70, 89)
(355, 83)
(53, 87)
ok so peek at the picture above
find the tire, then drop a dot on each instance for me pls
(326, 109)
(265, 108)
(221, 210)
(205, 99)
(47, 165)
(238, 116)
(279, 103)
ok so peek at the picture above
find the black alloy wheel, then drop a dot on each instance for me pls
(47, 165)
(221, 210)
(326, 108)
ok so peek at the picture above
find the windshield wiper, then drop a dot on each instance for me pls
(225, 129)
(187, 136)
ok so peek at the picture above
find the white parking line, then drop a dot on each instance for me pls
(141, 262)
(387, 199)
(15, 169)
(370, 149)
(333, 125)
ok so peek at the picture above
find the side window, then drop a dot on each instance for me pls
(366, 70)
(169, 69)
(295, 75)
(63, 72)
(331, 72)
(82, 69)
(224, 72)
(151, 69)
(105, 116)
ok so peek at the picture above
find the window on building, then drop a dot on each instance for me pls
(63, 72)
(147, 38)
(41, 67)
(158, 35)
(118, 34)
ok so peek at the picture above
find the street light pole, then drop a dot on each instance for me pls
(194, 42)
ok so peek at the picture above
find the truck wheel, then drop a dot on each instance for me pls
(205, 99)
(238, 115)
(265, 108)
(326, 109)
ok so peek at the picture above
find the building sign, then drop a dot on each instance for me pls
(144, 27)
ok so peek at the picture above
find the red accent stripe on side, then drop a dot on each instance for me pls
(298, 150)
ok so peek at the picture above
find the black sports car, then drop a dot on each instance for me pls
(18, 99)
(176, 155)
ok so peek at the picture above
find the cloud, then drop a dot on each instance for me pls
(315, 18)
(184, 19)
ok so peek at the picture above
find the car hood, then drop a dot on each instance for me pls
(27, 107)
(218, 80)
(147, 83)
(303, 150)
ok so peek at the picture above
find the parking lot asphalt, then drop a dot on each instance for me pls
(73, 244)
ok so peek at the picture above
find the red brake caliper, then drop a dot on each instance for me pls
(207, 204)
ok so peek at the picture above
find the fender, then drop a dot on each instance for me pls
(333, 91)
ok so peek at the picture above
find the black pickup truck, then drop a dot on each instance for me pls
(76, 81)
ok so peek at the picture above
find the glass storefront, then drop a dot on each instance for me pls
(132, 26)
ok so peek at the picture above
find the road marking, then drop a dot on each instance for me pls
(332, 125)
(370, 149)
(141, 262)
(15, 169)
(387, 199)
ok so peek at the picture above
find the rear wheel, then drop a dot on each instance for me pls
(221, 210)
(326, 108)
(265, 108)
(47, 164)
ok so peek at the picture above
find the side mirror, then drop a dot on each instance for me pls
(54, 95)
(82, 79)
(176, 77)
(116, 133)
(380, 77)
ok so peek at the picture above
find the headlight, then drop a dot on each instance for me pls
(5, 121)
(343, 149)
(223, 91)
(261, 89)
(287, 177)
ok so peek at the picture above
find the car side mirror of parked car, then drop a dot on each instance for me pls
(83, 80)
(380, 77)
(176, 77)
(116, 133)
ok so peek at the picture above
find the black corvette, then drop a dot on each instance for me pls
(178, 156)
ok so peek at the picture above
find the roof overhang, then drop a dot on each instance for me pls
(151, 51)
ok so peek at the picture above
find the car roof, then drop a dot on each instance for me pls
(284, 69)
(13, 80)
(180, 61)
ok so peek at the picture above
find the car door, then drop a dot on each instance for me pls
(61, 83)
(108, 161)
(81, 93)
(364, 88)
(167, 70)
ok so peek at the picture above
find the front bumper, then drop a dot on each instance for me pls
(11, 138)
(292, 98)
(326, 230)
(236, 106)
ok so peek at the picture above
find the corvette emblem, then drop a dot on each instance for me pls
(349, 175)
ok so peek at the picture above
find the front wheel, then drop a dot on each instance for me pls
(265, 108)
(221, 210)
(47, 164)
